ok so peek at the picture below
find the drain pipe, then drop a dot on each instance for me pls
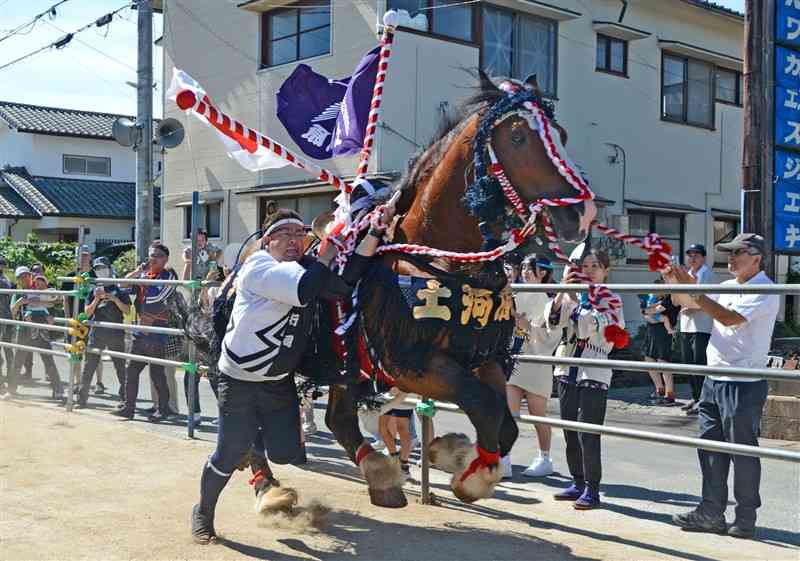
(624, 9)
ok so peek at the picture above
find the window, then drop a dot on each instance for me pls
(455, 21)
(87, 165)
(670, 227)
(292, 34)
(687, 91)
(612, 55)
(729, 86)
(725, 229)
(518, 45)
(210, 220)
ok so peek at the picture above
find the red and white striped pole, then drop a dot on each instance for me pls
(250, 139)
(389, 23)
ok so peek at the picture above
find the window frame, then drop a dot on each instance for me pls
(266, 39)
(712, 92)
(736, 230)
(431, 14)
(607, 54)
(204, 219)
(86, 159)
(739, 87)
(652, 228)
(516, 13)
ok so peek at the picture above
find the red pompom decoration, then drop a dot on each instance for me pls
(186, 100)
(617, 335)
(656, 261)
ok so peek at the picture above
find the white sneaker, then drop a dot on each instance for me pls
(539, 468)
(309, 428)
(505, 465)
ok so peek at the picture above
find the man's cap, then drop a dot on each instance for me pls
(21, 270)
(744, 241)
(82, 249)
(101, 262)
(698, 247)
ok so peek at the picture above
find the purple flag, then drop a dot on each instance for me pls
(308, 105)
(351, 124)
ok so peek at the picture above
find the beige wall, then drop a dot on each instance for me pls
(666, 162)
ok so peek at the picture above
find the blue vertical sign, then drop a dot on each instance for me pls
(786, 197)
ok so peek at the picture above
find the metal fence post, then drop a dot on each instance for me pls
(191, 394)
(426, 459)
(75, 365)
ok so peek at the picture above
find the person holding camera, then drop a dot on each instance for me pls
(730, 408)
(151, 302)
(108, 303)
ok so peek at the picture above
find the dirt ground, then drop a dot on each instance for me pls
(79, 486)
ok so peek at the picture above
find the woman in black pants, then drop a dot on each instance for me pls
(583, 391)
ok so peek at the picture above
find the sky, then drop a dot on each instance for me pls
(90, 72)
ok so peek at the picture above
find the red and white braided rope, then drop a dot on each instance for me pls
(377, 95)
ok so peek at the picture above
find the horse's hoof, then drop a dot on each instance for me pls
(452, 452)
(275, 499)
(479, 484)
(393, 497)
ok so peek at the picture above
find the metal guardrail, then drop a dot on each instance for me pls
(143, 282)
(690, 369)
(130, 327)
(699, 443)
(665, 288)
(34, 291)
(34, 325)
(33, 349)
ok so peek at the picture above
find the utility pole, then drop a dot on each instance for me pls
(757, 157)
(144, 122)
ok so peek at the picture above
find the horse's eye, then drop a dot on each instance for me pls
(517, 137)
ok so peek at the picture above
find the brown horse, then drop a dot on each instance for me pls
(443, 330)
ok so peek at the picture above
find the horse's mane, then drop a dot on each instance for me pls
(449, 126)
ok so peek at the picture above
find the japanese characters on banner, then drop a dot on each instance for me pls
(787, 126)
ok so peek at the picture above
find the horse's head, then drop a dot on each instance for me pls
(518, 131)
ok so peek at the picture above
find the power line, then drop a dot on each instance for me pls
(65, 40)
(32, 23)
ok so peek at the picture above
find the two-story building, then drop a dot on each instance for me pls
(60, 169)
(649, 91)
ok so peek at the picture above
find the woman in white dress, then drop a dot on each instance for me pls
(534, 382)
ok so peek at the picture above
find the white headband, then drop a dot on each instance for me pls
(284, 222)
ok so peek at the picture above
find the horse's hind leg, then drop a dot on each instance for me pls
(384, 477)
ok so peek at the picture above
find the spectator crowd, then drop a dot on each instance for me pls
(727, 330)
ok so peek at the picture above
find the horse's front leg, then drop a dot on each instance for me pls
(475, 468)
(383, 474)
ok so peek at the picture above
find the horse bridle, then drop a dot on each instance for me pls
(539, 114)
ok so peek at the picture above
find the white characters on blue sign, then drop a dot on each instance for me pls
(793, 66)
(792, 102)
(792, 206)
(792, 235)
(792, 23)
(794, 136)
(793, 4)
(791, 168)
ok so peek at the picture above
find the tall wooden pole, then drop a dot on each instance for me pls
(758, 94)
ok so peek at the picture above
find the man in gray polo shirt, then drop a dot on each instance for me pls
(695, 323)
(730, 408)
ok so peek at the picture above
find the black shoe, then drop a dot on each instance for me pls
(99, 389)
(698, 521)
(159, 416)
(203, 531)
(123, 412)
(743, 531)
(150, 411)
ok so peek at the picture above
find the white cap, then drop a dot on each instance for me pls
(21, 270)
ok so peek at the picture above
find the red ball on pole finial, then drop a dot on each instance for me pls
(186, 100)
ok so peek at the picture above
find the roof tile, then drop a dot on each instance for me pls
(58, 121)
